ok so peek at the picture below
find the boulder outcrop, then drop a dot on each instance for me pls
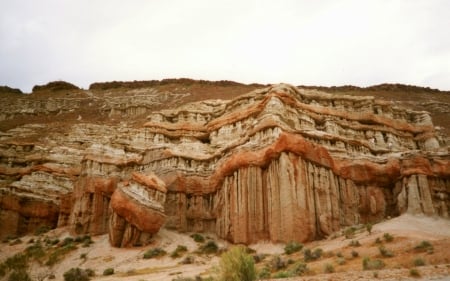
(278, 163)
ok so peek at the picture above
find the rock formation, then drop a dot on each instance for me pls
(279, 163)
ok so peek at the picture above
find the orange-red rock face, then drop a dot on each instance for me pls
(275, 164)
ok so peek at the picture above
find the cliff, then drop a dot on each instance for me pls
(277, 163)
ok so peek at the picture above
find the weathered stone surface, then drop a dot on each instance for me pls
(278, 163)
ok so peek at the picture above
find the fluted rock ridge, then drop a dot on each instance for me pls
(278, 163)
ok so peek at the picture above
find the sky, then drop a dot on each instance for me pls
(302, 42)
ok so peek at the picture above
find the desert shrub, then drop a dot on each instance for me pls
(355, 254)
(378, 240)
(108, 271)
(354, 243)
(42, 229)
(56, 255)
(350, 232)
(298, 269)
(83, 256)
(282, 274)
(388, 237)
(419, 262)
(369, 228)
(178, 251)
(414, 272)
(369, 264)
(209, 248)
(264, 273)
(328, 268)
(35, 251)
(76, 274)
(312, 255)
(292, 247)
(90, 272)
(154, 253)
(340, 261)
(385, 252)
(424, 246)
(19, 275)
(277, 263)
(339, 255)
(259, 257)
(67, 241)
(198, 238)
(17, 262)
(188, 260)
(375, 274)
(237, 265)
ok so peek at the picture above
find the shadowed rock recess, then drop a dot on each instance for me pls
(278, 163)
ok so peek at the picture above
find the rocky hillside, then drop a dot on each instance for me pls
(273, 162)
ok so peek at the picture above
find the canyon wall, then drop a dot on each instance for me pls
(278, 163)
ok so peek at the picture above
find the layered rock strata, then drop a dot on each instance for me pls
(279, 163)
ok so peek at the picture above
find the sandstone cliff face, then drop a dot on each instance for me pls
(278, 164)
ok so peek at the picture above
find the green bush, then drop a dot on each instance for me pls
(178, 251)
(298, 269)
(312, 255)
(328, 268)
(264, 273)
(340, 261)
(369, 264)
(369, 228)
(277, 263)
(424, 246)
(388, 237)
(281, 275)
(108, 271)
(385, 252)
(350, 232)
(154, 253)
(237, 265)
(414, 272)
(19, 275)
(76, 274)
(35, 251)
(198, 238)
(292, 247)
(56, 255)
(17, 262)
(209, 248)
(419, 262)
(188, 260)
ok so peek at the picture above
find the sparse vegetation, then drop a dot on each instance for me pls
(414, 272)
(355, 254)
(385, 252)
(188, 260)
(354, 243)
(298, 269)
(42, 229)
(179, 251)
(388, 237)
(76, 274)
(312, 255)
(292, 247)
(419, 262)
(340, 261)
(198, 238)
(237, 265)
(108, 271)
(350, 232)
(19, 275)
(378, 240)
(328, 268)
(209, 248)
(369, 228)
(277, 263)
(424, 246)
(154, 253)
(369, 264)
(264, 273)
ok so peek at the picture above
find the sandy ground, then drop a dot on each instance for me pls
(408, 231)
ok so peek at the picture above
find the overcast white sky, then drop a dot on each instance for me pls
(300, 42)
